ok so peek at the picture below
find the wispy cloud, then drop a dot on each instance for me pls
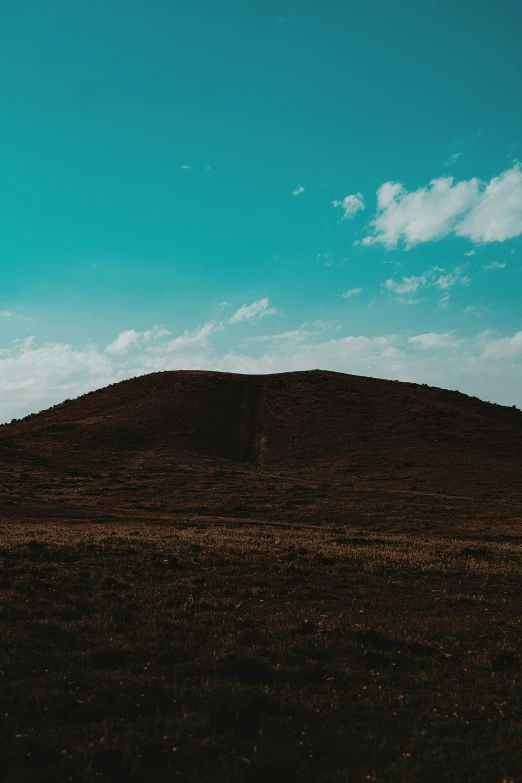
(436, 277)
(350, 205)
(449, 279)
(404, 300)
(325, 258)
(510, 155)
(408, 285)
(452, 159)
(321, 326)
(191, 340)
(295, 336)
(187, 168)
(443, 301)
(253, 312)
(470, 253)
(481, 211)
(130, 338)
(503, 348)
(492, 266)
(434, 340)
(351, 292)
(34, 375)
(477, 310)
(16, 316)
(124, 341)
(298, 191)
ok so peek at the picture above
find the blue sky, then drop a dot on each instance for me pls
(198, 184)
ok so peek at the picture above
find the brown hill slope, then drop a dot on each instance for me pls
(309, 447)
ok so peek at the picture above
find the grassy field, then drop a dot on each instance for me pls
(234, 653)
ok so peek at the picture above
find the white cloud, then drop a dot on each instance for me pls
(321, 326)
(25, 344)
(259, 309)
(325, 258)
(451, 279)
(350, 205)
(34, 376)
(307, 331)
(423, 215)
(156, 332)
(504, 347)
(16, 316)
(351, 292)
(480, 211)
(498, 214)
(436, 277)
(452, 159)
(187, 168)
(432, 340)
(470, 253)
(477, 310)
(190, 340)
(123, 342)
(298, 191)
(444, 301)
(388, 193)
(295, 336)
(129, 338)
(494, 265)
(408, 285)
(411, 301)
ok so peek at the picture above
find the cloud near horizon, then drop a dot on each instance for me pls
(435, 340)
(130, 338)
(34, 376)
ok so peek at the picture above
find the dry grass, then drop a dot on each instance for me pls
(236, 653)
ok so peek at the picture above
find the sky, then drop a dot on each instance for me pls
(260, 186)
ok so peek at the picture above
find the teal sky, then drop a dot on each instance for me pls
(167, 163)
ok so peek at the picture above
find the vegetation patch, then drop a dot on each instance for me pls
(245, 653)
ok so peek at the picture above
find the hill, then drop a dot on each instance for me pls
(309, 447)
(218, 577)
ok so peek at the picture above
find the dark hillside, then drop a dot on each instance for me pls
(312, 446)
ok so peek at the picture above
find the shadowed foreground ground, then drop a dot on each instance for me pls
(238, 653)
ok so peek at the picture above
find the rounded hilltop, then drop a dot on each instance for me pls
(311, 445)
